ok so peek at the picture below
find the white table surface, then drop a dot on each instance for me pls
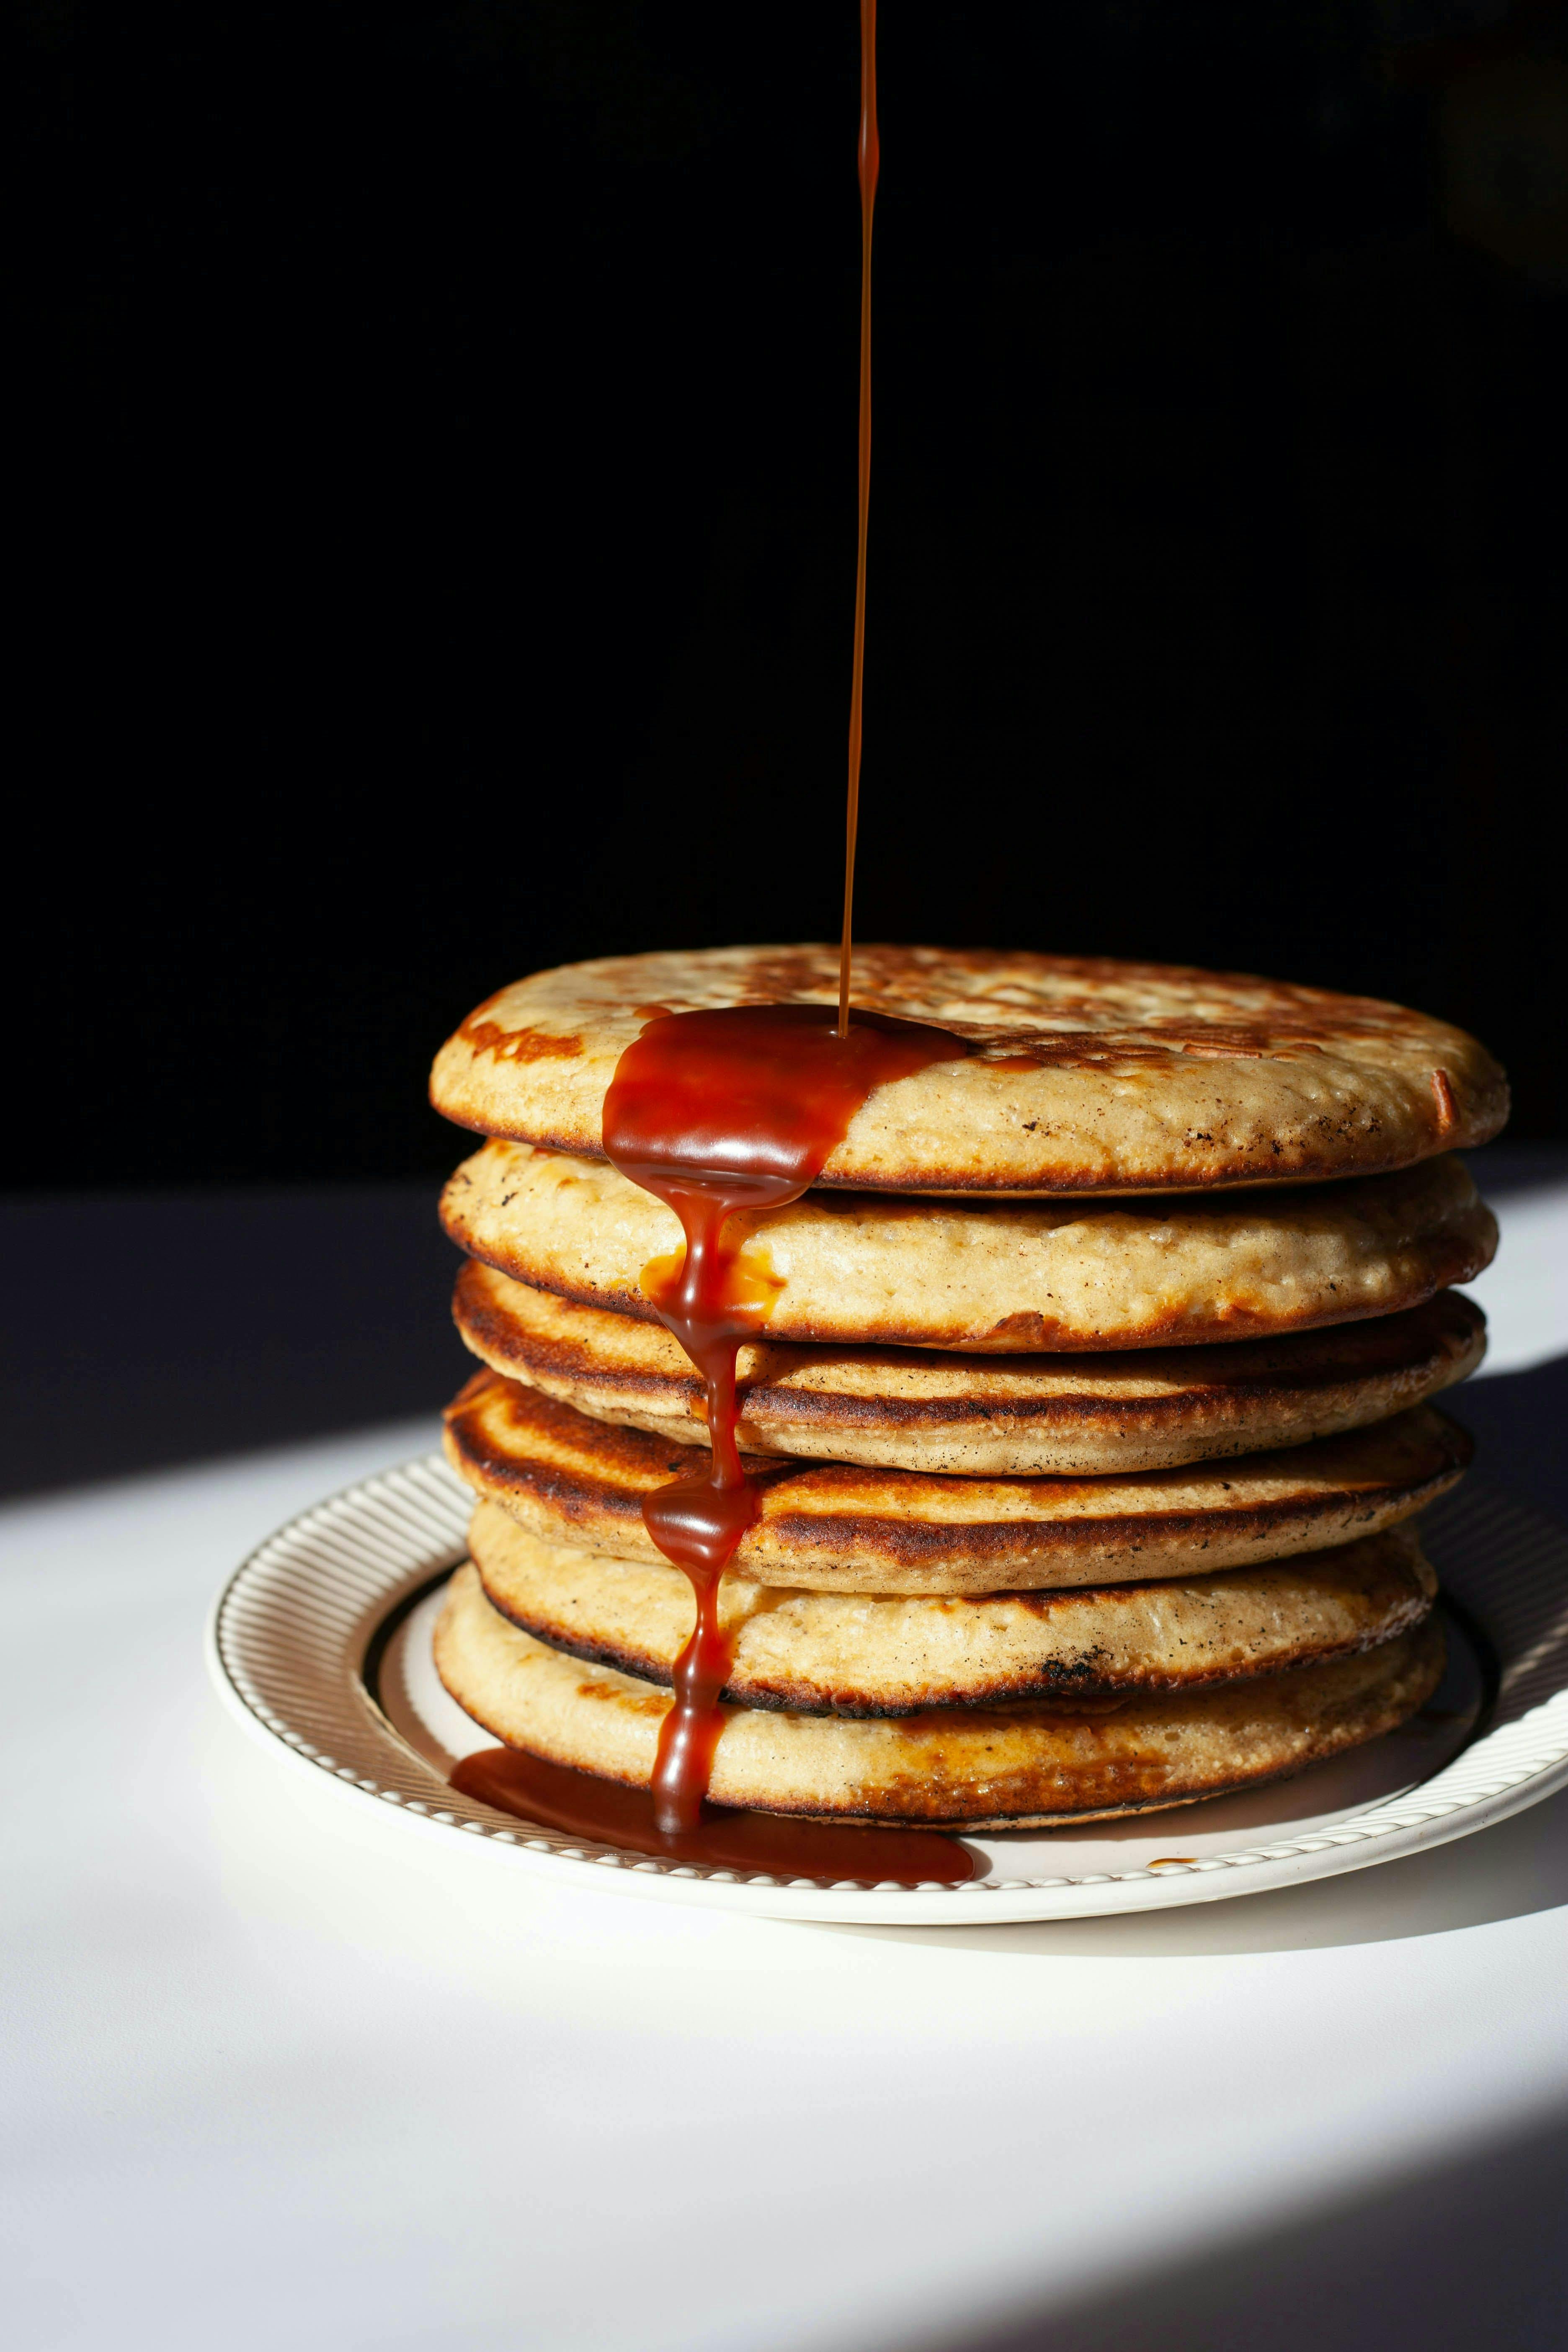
(276, 2073)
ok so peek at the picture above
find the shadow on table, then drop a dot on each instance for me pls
(138, 1332)
(1471, 2255)
(1517, 1422)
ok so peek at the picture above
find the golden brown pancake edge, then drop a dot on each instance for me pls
(998, 1277)
(1023, 1416)
(831, 1526)
(853, 1654)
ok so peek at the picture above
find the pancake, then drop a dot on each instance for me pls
(844, 1654)
(831, 1527)
(1085, 1075)
(1020, 1416)
(959, 1766)
(996, 1278)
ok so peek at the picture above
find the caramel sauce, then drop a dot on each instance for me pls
(554, 1797)
(715, 1113)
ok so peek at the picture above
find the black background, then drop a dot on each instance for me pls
(435, 484)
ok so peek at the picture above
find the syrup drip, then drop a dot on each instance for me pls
(717, 1113)
(554, 1797)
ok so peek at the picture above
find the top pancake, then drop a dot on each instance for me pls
(1085, 1075)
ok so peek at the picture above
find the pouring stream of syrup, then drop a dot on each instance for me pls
(870, 155)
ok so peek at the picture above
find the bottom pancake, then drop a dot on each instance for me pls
(1014, 1768)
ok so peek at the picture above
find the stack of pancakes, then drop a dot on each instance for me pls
(1091, 1399)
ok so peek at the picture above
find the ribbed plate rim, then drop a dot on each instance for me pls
(287, 1632)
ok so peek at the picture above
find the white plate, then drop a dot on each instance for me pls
(321, 1646)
